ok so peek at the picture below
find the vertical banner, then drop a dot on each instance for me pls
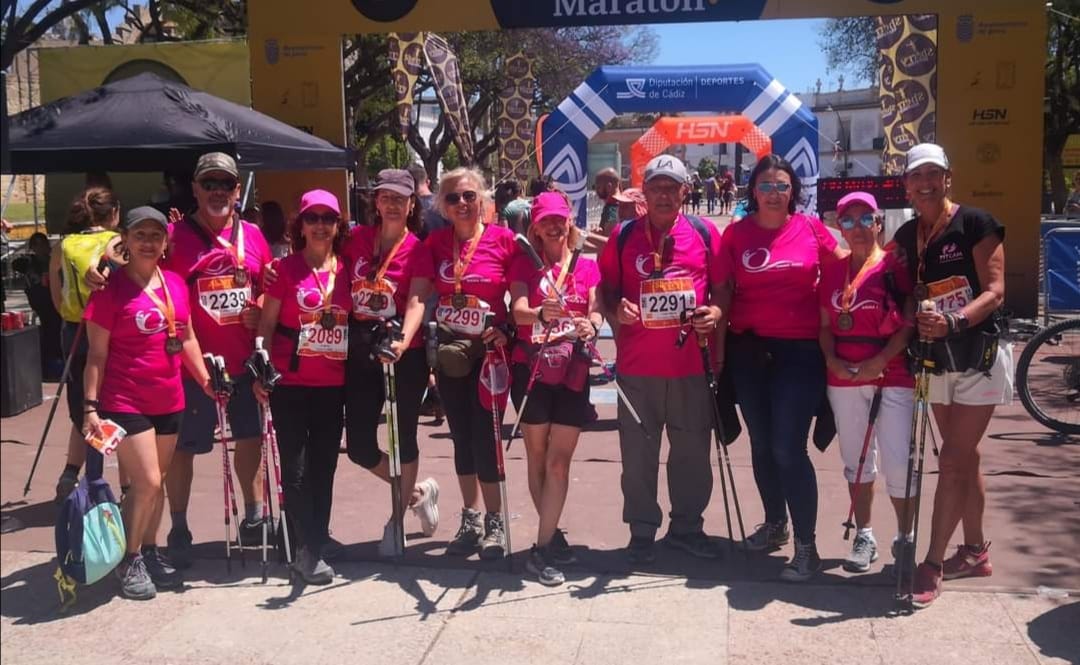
(444, 70)
(515, 124)
(907, 81)
(406, 62)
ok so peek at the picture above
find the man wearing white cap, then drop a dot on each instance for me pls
(657, 279)
(956, 259)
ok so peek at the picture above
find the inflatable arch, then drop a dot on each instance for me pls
(744, 89)
(695, 129)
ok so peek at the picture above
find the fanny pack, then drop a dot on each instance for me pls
(971, 350)
(456, 356)
(561, 363)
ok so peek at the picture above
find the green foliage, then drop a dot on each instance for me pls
(850, 46)
(706, 168)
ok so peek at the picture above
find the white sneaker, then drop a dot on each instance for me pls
(387, 548)
(426, 507)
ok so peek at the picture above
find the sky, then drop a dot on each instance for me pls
(787, 49)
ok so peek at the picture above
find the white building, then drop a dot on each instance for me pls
(850, 131)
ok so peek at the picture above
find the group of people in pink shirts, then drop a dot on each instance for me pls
(792, 319)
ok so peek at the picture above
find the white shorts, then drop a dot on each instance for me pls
(974, 388)
(890, 439)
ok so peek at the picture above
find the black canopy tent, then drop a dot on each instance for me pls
(146, 123)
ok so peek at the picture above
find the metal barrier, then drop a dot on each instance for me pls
(1059, 259)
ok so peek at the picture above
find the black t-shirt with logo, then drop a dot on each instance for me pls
(950, 262)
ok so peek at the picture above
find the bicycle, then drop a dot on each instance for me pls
(1048, 376)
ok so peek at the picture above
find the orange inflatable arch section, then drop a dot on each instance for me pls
(695, 129)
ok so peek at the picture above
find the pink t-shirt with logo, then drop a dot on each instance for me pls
(216, 300)
(651, 351)
(322, 351)
(874, 312)
(576, 287)
(411, 261)
(775, 273)
(139, 376)
(488, 274)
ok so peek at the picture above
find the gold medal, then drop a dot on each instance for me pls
(378, 302)
(173, 345)
(240, 276)
(459, 300)
(845, 321)
(328, 320)
(920, 292)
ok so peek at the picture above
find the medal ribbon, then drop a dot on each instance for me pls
(328, 291)
(461, 265)
(658, 258)
(922, 241)
(852, 285)
(390, 257)
(166, 307)
(236, 247)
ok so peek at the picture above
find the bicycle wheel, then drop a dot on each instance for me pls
(1048, 377)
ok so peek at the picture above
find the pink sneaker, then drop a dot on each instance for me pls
(969, 561)
(927, 586)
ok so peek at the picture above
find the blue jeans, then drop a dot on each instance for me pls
(779, 384)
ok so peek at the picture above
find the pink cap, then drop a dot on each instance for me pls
(851, 199)
(549, 204)
(318, 197)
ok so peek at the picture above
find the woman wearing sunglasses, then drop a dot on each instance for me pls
(771, 261)
(863, 336)
(472, 262)
(306, 314)
(390, 272)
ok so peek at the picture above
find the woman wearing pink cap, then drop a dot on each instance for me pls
(306, 313)
(472, 264)
(558, 404)
(139, 331)
(390, 272)
(864, 332)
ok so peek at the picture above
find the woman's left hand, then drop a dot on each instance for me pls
(249, 316)
(705, 319)
(494, 335)
(398, 348)
(931, 325)
(583, 328)
(869, 370)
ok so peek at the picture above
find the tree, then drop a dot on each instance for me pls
(706, 168)
(20, 31)
(850, 45)
(1061, 114)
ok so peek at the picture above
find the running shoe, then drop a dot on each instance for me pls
(160, 569)
(559, 551)
(927, 585)
(863, 553)
(135, 581)
(540, 565)
(969, 561)
(695, 544)
(804, 565)
(468, 535)
(493, 546)
(179, 544)
(312, 569)
(251, 532)
(768, 536)
(641, 550)
(426, 507)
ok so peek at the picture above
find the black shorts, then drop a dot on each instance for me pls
(137, 423)
(550, 404)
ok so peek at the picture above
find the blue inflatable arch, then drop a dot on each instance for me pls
(609, 91)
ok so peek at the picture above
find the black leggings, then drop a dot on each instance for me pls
(308, 422)
(471, 426)
(365, 397)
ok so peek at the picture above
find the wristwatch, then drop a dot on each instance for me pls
(961, 322)
(540, 315)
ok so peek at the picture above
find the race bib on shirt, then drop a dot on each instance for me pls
(562, 327)
(222, 299)
(373, 300)
(317, 341)
(662, 301)
(950, 295)
(467, 320)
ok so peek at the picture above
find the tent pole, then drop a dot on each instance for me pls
(247, 191)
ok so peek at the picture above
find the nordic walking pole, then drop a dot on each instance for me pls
(263, 371)
(222, 387)
(500, 464)
(267, 512)
(394, 458)
(875, 404)
(103, 268)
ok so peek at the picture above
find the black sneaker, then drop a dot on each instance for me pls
(539, 564)
(641, 549)
(161, 570)
(768, 537)
(559, 550)
(251, 532)
(179, 543)
(803, 565)
(135, 581)
(695, 544)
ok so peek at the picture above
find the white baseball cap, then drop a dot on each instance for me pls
(926, 153)
(668, 167)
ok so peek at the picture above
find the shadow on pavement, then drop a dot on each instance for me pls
(1054, 632)
(1038, 438)
(30, 595)
(30, 514)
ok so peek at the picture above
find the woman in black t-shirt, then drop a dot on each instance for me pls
(957, 259)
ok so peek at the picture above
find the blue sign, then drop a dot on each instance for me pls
(1062, 247)
(746, 89)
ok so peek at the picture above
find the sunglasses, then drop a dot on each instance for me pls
(847, 222)
(453, 198)
(328, 218)
(770, 187)
(218, 184)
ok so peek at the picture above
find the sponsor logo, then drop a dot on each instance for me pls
(384, 10)
(643, 266)
(916, 55)
(759, 260)
(928, 128)
(858, 304)
(309, 300)
(912, 99)
(635, 89)
(361, 268)
(965, 28)
(703, 131)
(888, 31)
(923, 21)
(988, 153)
(547, 13)
(566, 169)
(446, 273)
(272, 51)
(950, 253)
(213, 262)
(991, 115)
(150, 321)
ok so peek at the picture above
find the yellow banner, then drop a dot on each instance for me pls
(406, 63)
(907, 81)
(515, 122)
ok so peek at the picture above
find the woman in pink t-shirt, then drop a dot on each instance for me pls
(139, 332)
(863, 334)
(558, 406)
(306, 314)
(771, 261)
(390, 271)
(472, 264)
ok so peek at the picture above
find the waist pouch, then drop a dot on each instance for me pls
(456, 356)
(293, 335)
(560, 364)
(971, 350)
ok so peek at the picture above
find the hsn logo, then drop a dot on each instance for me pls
(555, 13)
(384, 10)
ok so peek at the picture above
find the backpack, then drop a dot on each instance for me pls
(90, 538)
